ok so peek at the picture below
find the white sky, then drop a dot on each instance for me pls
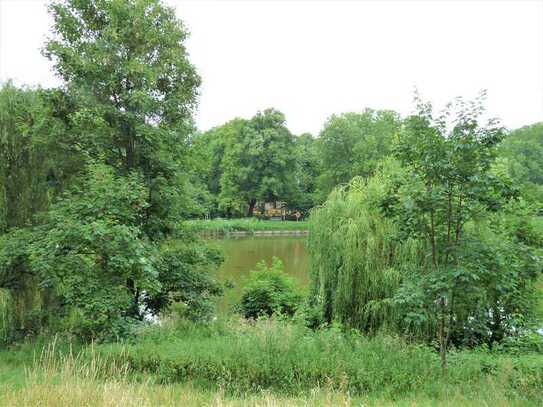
(311, 59)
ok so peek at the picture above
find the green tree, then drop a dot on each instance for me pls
(258, 162)
(448, 159)
(357, 255)
(352, 144)
(89, 245)
(308, 169)
(99, 250)
(33, 148)
(37, 161)
(522, 151)
(436, 244)
(127, 63)
(207, 152)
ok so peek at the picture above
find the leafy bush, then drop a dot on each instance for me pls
(187, 282)
(269, 291)
(103, 271)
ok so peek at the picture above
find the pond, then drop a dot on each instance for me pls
(241, 254)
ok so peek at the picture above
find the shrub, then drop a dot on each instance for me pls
(269, 290)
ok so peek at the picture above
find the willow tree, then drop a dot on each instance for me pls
(358, 259)
(36, 162)
(33, 148)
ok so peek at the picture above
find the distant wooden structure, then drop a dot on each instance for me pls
(276, 210)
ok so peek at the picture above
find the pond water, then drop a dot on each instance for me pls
(241, 254)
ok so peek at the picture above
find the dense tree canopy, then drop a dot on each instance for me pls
(207, 152)
(306, 173)
(352, 144)
(127, 63)
(124, 118)
(435, 243)
(33, 147)
(258, 163)
(522, 151)
(243, 162)
(37, 160)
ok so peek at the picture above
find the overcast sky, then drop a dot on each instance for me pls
(311, 59)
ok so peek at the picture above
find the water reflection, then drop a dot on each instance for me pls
(243, 253)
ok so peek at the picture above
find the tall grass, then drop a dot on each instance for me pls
(270, 362)
(69, 379)
(5, 316)
(539, 304)
(69, 389)
(242, 358)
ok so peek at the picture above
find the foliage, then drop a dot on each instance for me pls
(357, 256)
(247, 161)
(32, 148)
(121, 274)
(186, 278)
(308, 169)
(243, 162)
(93, 259)
(92, 230)
(522, 151)
(126, 64)
(269, 362)
(37, 160)
(242, 357)
(268, 291)
(352, 144)
(258, 162)
(470, 274)
(5, 316)
(207, 151)
(440, 247)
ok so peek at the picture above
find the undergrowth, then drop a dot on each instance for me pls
(269, 361)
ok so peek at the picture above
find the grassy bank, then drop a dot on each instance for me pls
(265, 363)
(72, 389)
(249, 225)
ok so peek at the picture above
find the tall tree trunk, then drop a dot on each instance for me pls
(252, 204)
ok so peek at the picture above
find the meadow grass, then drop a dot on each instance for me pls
(269, 362)
(76, 381)
(249, 225)
(285, 358)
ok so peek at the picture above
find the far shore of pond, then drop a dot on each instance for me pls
(247, 226)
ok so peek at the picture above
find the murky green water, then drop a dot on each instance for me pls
(242, 253)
